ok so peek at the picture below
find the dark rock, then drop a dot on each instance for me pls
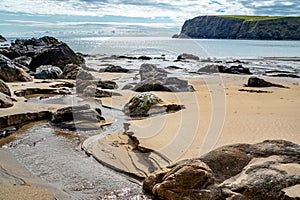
(173, 67)
(107, 85)
(173, 108)
(31, 91)
(240, 171)
(222, 27)
(115, 69)
(140, 104)
(93, 91)
(5, 101)
(23, 60)
(6, 132)
(9, 72)
(285, 75)
(258, 82)
(151, 71)
(2, 39)
(44, 51)
(155, 79)
(255, 91)
(239, 69)
(127, 57)
(70, 71)
(144, 58)
(77, 118)
(84, 75)
(4, 88)
(186, 56)
(48, 72)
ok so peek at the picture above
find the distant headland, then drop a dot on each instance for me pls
(241, 27)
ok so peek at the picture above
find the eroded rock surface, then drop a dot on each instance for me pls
(241, 171)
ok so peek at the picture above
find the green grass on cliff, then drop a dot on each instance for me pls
(251, 18)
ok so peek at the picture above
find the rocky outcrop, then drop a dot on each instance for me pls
(114, 69)
(214, 68)
(186, 56)
(241, 171)
(258, 82)
(2, 39)
(140, 104)
(43, 51)
(4, 88)
(77, 118)
(240, 27)
(9, 72)
(155, 79)
(5, 101)
(48, 72)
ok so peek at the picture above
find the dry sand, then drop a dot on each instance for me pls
(216, 114)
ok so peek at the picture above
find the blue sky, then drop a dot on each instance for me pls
(106, 17)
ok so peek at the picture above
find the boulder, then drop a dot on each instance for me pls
(2, 39)
(258, 82)
(4, 88)
(155, 79)
(140, 104)
(144, 58)
(5, 101)
(23, 60)
(241, 171)
(84, 75)
(43, 51)
(93, 91)
(70, 71)
(186, 56)
(9, 72)
(77, 118)
(114, 69)
(48, 72)
(107, 85)
(239, 69)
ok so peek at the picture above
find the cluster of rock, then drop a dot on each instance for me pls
(241, 171)
(156, 79)
(238, 69)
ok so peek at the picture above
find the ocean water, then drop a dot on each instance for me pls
(156, 46)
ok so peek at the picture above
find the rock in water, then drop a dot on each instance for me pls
(5, 101)
(140, 104)
(4, 88)
(77, 118)
(186, 56)
(241, 171)
(258, 82)
(48, 72)
(115, 69)
(2, 39)
(9, 72)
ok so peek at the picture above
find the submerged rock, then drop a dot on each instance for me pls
(5, 101)
(4, 88)
(140, 104)
(241, 171)
(77, 118)
(258, 82)
(48, 72)
(9, 72)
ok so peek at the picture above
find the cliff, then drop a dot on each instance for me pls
(242, 27)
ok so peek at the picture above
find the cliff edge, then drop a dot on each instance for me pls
(241, 27)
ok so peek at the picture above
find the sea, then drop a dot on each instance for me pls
(156, 46)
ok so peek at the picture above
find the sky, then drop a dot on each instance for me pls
(132, 17)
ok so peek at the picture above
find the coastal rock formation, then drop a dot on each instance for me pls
(2, 39)
(186, 56)
(155, 79)
(9, 72)
(93, 91)
(239, 69)
(31, 91)
(4, 88)
(70, 71)
(77, 118)
(242, 27)
(23, 60)
(5, 101)
(48, 72)
(43, 51)
(140, 104)
(258, 82)
(114, 69)
(242, 171)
